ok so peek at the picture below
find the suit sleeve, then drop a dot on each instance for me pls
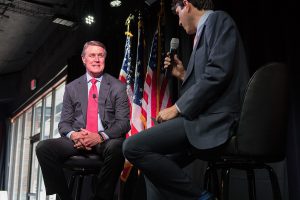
(121, 123)
(221, 40)
(67, 114)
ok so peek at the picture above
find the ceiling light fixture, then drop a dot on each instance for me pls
(115, 3)
(150, 2)
(89, 20)
(64, 22)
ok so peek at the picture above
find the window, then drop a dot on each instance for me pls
(24, 171)
(48, 118)
(36, 122)
(37, 110)
(59, 92)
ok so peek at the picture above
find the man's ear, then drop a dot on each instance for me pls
(82, 58)
(187, 4)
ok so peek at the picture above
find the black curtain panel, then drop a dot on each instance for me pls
(3, 144)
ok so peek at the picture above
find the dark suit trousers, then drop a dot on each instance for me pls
(52, 153)
(160, 153)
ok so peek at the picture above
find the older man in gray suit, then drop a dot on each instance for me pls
(203, 117)
(94, 118)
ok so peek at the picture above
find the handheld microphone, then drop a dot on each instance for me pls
(174, 44)
(94, 96)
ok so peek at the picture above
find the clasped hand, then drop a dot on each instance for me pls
(85, 139)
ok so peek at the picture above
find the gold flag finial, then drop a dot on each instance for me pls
(127, 24)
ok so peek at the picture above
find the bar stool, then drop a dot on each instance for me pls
(81, 166)
(259, 138)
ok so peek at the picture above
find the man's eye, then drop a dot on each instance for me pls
(101, 55)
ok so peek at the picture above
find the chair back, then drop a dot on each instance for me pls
(262, 128)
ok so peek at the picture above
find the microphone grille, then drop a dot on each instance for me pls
(174, 43)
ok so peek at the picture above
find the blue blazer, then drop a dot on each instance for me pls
(112, 104)
(214, 83)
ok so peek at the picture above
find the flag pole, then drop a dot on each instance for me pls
(159, 47)
(127, 166)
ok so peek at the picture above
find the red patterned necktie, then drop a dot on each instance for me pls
(92, 108)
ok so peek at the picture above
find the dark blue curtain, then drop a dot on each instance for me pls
(293, 137)
(293, 146)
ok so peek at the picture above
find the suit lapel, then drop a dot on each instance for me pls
(103, 93)
(192, 60)
(83, 95)
(190, 66)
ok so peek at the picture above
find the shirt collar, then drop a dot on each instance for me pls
(89, 78)
(202, 20)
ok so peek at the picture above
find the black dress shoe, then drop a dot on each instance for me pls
(206, 196)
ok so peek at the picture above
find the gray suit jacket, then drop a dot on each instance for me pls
(214, 83)
(112, 103)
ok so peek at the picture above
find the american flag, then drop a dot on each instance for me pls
(149, 103)
(136, 111)
(156, 94)
(165, 100)
(125, 75)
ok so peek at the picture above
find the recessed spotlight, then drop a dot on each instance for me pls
(115, 3)
(89, 19)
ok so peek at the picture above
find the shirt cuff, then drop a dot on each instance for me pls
(69, 134)
(177, 108)
(105, 137)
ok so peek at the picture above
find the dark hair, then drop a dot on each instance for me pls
(199, 4)
(92, 43)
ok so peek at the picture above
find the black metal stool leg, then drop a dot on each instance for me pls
(251, 184)
(71, 182)
(79, 187)
(207, 178)
(215, 182)
(225, 176)
(274, 183)
(211, 181)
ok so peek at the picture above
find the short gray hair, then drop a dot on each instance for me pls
(92, 43)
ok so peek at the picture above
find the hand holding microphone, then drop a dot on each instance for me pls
(172, 64)
(173, 50)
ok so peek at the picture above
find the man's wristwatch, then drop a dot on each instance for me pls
(101, 137)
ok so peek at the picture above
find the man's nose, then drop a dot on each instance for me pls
(97, 58)
(179, 23)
